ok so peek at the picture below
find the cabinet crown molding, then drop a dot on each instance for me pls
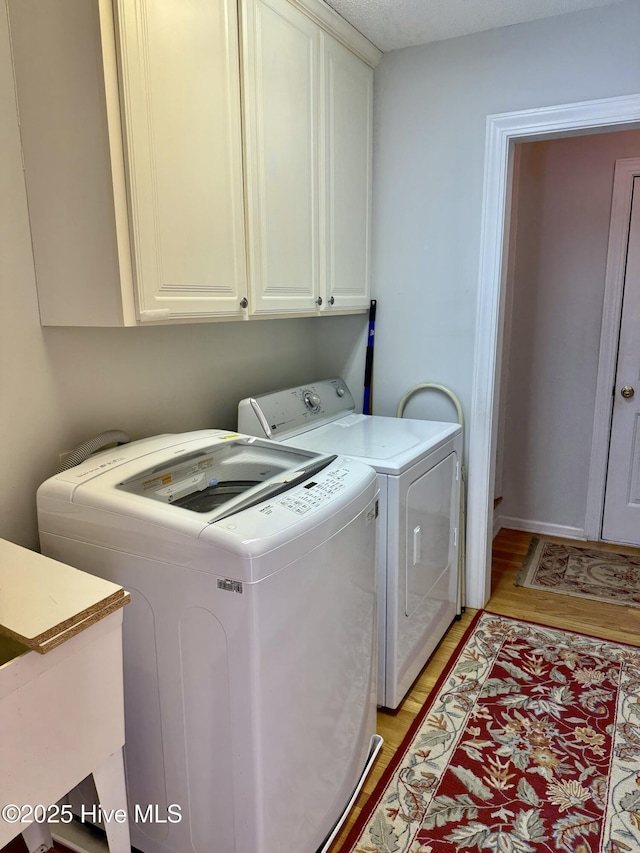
(340, 29)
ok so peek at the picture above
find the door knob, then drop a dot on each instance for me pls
(627, 392)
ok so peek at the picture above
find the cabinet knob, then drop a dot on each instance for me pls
(319, 301)
(244, 302)
(627, 392)
(332, 300)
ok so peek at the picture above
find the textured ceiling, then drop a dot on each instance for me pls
(391, 24)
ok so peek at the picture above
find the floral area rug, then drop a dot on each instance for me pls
(584, 572)
(529, 742)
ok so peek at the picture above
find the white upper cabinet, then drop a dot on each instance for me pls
(181, 102)
(281, 68)
(167, 244)
(348, 121)
(308, 123)
(141, 176)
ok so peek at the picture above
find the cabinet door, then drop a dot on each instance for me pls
(347, 143)
(180, 91)
(281, 73)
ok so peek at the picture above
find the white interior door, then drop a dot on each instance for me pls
(621, 519)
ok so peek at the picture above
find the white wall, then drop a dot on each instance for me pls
(564, 204)
(60, 386)
(431, 105)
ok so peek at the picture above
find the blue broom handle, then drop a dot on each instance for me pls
(368, 367)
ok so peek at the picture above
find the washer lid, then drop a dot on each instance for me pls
(225, 477)
(390, 445)
(187, 481)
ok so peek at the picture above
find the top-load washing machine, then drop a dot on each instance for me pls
(249, 642)
(418, 468)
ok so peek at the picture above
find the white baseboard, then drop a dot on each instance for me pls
(497, 524)
(542, 527)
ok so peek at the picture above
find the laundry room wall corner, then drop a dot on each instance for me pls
(341, 345)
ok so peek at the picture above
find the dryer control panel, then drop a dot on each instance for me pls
(282, 414)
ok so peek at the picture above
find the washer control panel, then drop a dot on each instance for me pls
(282, 414)
(315, 493)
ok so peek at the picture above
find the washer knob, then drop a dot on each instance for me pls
(340, 391)
(312, 401)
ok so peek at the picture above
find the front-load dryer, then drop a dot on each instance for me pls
(418, 467)
(249, 643)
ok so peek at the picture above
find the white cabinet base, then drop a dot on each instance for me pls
(54, 734)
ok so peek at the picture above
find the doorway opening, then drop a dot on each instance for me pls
(563, 301)
(503, 133)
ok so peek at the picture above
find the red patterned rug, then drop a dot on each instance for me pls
(570, 569)
(529, 742)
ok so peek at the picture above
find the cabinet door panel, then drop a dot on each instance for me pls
(347, 158)
(181, 104)
(281, 117)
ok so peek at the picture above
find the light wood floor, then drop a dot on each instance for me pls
(611, 621)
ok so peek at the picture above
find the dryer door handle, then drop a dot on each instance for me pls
(417, 544)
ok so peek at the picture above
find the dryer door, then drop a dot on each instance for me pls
(422, 565)
(430, 549)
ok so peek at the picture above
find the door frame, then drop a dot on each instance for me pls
(624, 174)
(502, 132)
